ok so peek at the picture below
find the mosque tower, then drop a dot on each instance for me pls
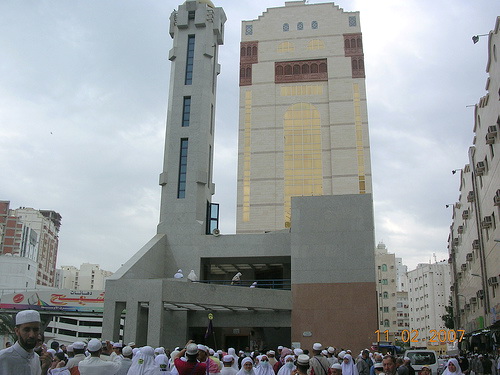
(187, 188)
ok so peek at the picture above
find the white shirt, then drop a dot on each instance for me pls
(96, 366)
(125, 364)
(16, 360)
(228, 371)
(72, 362)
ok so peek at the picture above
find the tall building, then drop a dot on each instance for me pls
(387, 293)
(34, 234)
(88, 277)
(299, 272)
(303, 128)
(428, 292)
(474, 237)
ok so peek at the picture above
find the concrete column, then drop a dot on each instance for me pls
(176, 328)
(130, 329)
(112, 315)
(155, 319)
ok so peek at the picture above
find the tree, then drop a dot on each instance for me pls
(449, 317)
(7, 326)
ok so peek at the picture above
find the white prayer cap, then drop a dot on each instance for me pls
(298, 351)
(406, 359)
(317, 346)
(378, 365)
(69, 348)
(52, 352)
(336, 366)
(342, 354)
(303, 359)
(227, 358)
(160, 350)
(131, 344)
(117, 345)
(211, 351)
(27, 316)
(280, 347)
(203, 348)
(324, 352)
(271, 352)
(94, 345)
(78, 345)
(331, 349)
(127, 351)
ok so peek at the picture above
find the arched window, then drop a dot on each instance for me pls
(386, 323)
(361, 64)
(353, 43)
(305, 69)
(384, 267)
(243, 51)
(347, 44)
(386, 295)
(249, 73)
(242, 73)
(296, 69)
(300, 26)
(279, 70)
(286, 27)
(314, 25)
(249, 51)
(355, 64)
(314, 68)
(360, 44)
(288, 70)
(322, 68)
(254, 50)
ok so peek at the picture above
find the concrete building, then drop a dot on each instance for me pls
(305, 274)
(401, 275)
(403, 313)
(386, 290)
(34, 234)
(473, 242)
(429, 292)
(17, 273)
(88, 277)
(303, 128)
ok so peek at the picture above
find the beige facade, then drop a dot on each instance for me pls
(88, 277)
(475, 230)
(303, 128)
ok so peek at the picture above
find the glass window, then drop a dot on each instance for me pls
(186, 112)
(181, 187)
(384, 267)
(248, 29)
(352, 21)
(189, 61)
(286, 27)
(300, 26)
(314, 24)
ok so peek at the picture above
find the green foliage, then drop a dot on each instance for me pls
(7, 325)
(449, 317)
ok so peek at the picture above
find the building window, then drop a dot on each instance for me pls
(384, 282)
(384, 267)
(314, 25)
(189, 61)
(249, 30)
(386, 309)
(181, 187)
(386, 323)
(286, 27)
(386, 295)
(300, 26)
(186, 112)
(352, 21)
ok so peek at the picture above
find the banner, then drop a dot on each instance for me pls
(55, 300)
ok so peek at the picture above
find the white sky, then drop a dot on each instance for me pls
(83, 96)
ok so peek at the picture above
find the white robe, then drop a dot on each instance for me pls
(16, 360)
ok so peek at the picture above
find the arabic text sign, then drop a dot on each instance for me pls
(59, 300)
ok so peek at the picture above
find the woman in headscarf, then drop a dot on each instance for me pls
(265, 367)
(161, 360)
(144, 363)
(246, 367)
(288, 367)
(348, 366)
(232, 353)
(452, 368)
(284, 352)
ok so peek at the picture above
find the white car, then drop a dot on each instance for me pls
(423, 357)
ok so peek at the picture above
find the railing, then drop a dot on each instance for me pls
(284, 284)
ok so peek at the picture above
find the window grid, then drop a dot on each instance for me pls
(189, 61)
(186, 112)
(181, 187)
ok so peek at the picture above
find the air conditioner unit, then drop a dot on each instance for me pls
(475, 244)
(496, 198)
(490, 138)
(464, 267)
(493, 281)
(394, 308)
(487, 221)
(473, 300)
(467, 306)
(470, 196)
(462, 311)
(450, 260)
(465, 214)
(452, 288)
(480, 294)
(455, 242)
(469, 257)
(493, 129)
(460, 229)
(480, 168)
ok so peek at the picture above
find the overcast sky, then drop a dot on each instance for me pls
(83, 96)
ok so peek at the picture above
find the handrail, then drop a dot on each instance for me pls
(284, 284)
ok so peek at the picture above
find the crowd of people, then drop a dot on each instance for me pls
(30, 356)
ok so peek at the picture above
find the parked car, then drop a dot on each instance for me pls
(423, 357)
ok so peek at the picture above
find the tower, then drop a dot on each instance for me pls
(303, 128)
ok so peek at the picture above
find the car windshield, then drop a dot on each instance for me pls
(422, 358)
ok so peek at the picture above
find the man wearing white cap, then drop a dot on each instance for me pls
(126, 362)
(79, 351)
(94, 365)
(318, 362)
(228, 369)
(20, 359)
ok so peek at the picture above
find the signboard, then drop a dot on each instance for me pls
(55, 300)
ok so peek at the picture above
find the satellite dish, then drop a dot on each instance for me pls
(216, 232)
